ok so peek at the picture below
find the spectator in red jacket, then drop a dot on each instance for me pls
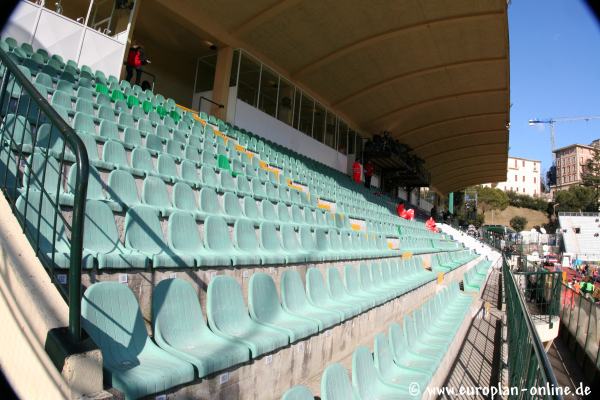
(356, 171)
(135, 60)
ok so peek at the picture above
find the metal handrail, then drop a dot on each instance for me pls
(545, 372)
(80, 189)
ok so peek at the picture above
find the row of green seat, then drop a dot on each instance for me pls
(185, 348)
(446, 262)
(475, 278)
(145, 245)
(403, 363)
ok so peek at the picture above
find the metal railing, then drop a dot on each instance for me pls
(528, 365)
(37, 148)
(580, 327)
(579, 214)
(541, 292)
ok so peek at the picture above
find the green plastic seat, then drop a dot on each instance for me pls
(318, 295)
(271, 250)
(226, 182)
(184, 199)
(49, 139)
(141, 159)
(126, 120)
(356, 289)
(156, 195)
(184, 239)
(143, 233)
(208, 177)
(369, 385)
(217, 241)
(114, 154)
(84, 124)
(336, 385)
(154, 144)
(232, 206)
(122, 189)
(366, 282)
(246, 243)
(192, 153)
(265, 308)
(268, 211)
(294, 301)
(189, 173)
(228, 317)
(132, 138)
(167, 167)
(39, 213)
(298, 392)
(389, 372)
(308, 245)
(145, 126)
(174, 148)
(62, 100)
(85, 106)
(250, 208)
(101, 240)
(180, 329)
(290, 242)
(44, 174)
(243, 186)
(405, 357)
(339, 292)
(208, 202)
(106, 112)
(132, 363)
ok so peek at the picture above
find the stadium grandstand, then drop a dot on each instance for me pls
(580, 234)
(199, 234)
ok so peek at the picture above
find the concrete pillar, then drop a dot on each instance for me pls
(451, 202)
(221, 82)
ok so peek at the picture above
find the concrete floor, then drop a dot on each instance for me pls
(567, 370)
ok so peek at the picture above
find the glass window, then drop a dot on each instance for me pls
(205, 75)
(330, 129)
(319, 123)
(351, 141)
(285, 108)
(248, 80)
(297, 107)
(234, 68)
(342, 143)
(306, 115)
(269, 85)
(359, 147)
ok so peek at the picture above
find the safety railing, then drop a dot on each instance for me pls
(528, 365)
(44, 171)
(540, 290)
(580, 327)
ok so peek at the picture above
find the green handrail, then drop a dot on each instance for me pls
(528, 364)
(12, 72)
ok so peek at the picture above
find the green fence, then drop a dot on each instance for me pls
(528, 367)
(580, 327)
(43, 175)
(541, 291)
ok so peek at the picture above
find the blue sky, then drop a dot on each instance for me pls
(554, 72)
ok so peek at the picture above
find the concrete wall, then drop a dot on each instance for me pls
(264, 125)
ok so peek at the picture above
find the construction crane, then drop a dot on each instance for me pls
(553, 121)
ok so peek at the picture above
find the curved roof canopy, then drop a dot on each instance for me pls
(435, 73)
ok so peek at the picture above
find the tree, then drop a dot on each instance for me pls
(576, 199)
(491, 199)
(518, 223)
(551, 176)
(591, 174)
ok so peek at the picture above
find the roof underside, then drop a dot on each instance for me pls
(435, 73)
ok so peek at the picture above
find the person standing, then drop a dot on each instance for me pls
(369, 170)
(136, 58)
(356, 171)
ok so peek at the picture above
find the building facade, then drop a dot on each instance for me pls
(570, 161)
(522, 176)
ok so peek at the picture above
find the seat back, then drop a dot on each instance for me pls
(245, 236)
(298, 392)
(263, 301)
(216, 234)
(154, 192)
(364, 375)
(112, 317)
(183, 197)
(143, 231)
(336, 385)
(225, 306)
(183, 234)
(293, 296)
(122, 188)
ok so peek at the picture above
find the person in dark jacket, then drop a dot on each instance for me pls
(135, 60)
